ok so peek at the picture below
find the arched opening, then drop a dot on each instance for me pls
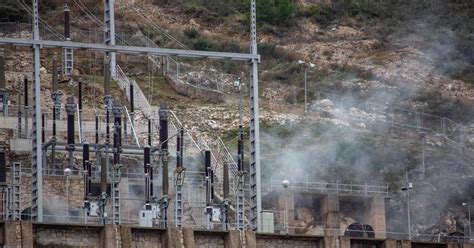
(355, 230)
(358, 230)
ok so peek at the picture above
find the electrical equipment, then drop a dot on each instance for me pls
(268, 222)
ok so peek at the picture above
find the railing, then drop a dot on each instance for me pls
(325, 187)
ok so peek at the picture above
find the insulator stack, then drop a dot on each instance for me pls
(67, 22)
(25, 95)
(96, 129)
(207, 169)
(79, 102)
(132, 103)
(146, 166)
(164, 114)
(70, 109)
(87, 169)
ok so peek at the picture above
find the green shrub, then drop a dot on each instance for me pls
(203, 44)
(276, 12)
(191, 33)
(325, 16)
(266, 49)
(309, 11)
(230, 46)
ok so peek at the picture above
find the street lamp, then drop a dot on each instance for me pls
(285, 183)
(67, 173)
(310, 65)
(468, 205)
(407, 190)
(238, 84)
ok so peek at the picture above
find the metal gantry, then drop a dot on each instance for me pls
(37, 163)
(111, 49)
(255, 184)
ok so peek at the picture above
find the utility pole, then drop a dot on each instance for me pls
(37, 152)
(3, 90)
(407, 189)
(240, 202)
(469, 219)
(255, 170)
(306, 66)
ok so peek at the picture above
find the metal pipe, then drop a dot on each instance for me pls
(97, 129)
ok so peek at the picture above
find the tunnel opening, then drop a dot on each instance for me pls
(427, 245)
(355, 211)
(308, 217)
(365, 243)
(359, 230)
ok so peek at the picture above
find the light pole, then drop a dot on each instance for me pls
(238, 84)
(67, 173)
(407, 190)
(311, 65)
(468, 205)
(285, 183)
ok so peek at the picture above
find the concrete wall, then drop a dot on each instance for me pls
(195, 92)
(209, 239)
(27, 234)
(147, 238)
(264, 240)
(66, 236)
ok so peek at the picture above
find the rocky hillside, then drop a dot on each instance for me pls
(371, 59)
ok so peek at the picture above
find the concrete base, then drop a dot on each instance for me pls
(27, 234)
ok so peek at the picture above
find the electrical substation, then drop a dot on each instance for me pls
(130, 174)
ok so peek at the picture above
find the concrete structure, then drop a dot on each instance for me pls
(28, 234)
(327, 214)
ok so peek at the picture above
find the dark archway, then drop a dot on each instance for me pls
(355, 230)
(358, 230)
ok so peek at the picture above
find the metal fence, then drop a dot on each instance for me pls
(351, 188)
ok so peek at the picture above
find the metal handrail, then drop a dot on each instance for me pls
(132, 127)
